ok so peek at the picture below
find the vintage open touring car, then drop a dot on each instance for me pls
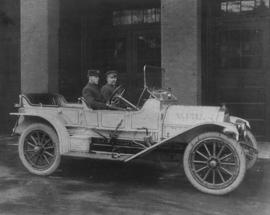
(219, 148)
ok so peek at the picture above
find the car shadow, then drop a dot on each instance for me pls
(107, 171)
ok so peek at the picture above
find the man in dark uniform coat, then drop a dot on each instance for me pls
(108, 88)
(91, 93)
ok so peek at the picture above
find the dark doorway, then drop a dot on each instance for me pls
(236, 60)
(9, 63)
(108, 34)
(126, 39)
(128, 50)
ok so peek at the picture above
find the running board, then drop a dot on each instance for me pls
(97, 155)
(150, 148)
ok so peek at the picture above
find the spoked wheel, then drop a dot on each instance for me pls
(251, 154)
(39, 149)
(214, 163)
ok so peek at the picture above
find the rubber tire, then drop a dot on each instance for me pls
(53, 136)
(254, 144)
(231, 142)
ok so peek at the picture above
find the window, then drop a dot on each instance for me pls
(240, 49)
(129, 17)
(243, 6)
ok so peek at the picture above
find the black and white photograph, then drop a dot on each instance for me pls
(135, 107)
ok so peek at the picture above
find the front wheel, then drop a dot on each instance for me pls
(214, 163)
(39, 149)
(251, 153)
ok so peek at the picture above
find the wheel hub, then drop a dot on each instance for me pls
(213, 163)
(37, 148)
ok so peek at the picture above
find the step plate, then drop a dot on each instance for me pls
(99, 155)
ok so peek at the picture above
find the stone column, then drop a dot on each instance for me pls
(39, 46)
(181, 52)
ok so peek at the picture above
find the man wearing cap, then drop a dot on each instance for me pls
(108, 88)
(91, 92)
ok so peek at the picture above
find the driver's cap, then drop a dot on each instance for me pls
(114, 72)
(93, 72)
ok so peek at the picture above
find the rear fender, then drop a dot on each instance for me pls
(26, 119)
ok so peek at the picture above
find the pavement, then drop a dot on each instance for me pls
(82, 186)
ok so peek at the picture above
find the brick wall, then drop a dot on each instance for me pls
(39, 45)
(180, 33)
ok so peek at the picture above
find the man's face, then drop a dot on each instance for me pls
(93, 79)
(111, 79)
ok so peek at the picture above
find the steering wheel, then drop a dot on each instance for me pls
(118, 92)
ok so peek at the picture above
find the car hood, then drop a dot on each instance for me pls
(190, 115)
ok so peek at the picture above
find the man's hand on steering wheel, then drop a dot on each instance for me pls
(117, 93)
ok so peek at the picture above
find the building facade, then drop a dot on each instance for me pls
(10, 84)
(214, 51)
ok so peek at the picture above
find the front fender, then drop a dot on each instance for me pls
(235, 120)
(188, 134)
(56, 123)
(222, 127)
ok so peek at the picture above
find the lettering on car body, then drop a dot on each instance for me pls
(193, 116)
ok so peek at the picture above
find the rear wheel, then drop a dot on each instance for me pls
(214, 163)
(39, 149)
